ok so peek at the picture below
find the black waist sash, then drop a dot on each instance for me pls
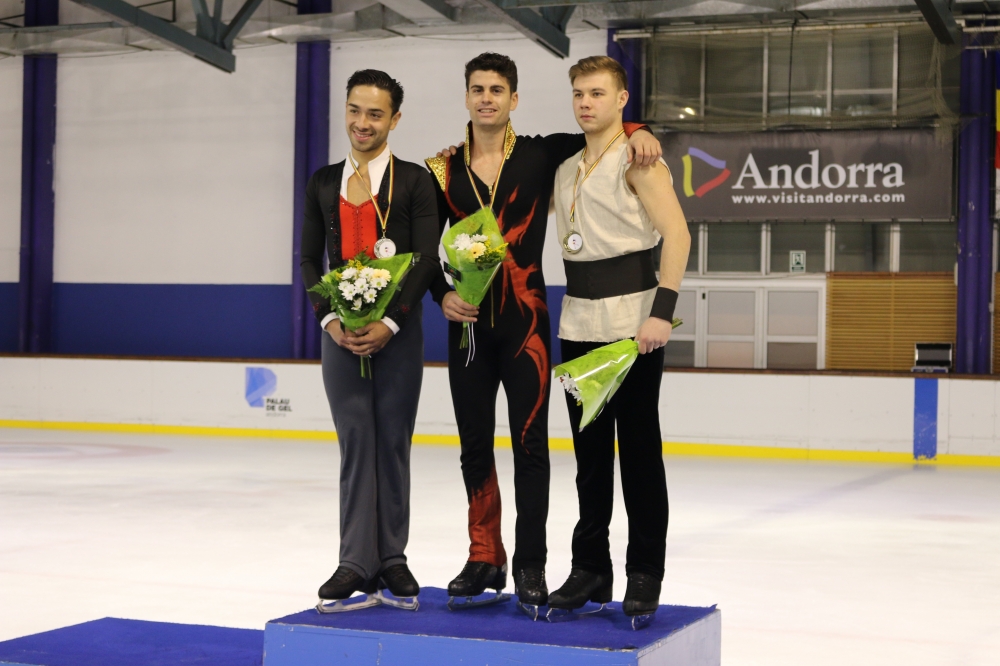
(615, 276)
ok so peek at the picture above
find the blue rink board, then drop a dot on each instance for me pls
(498, 634)
(115, 642)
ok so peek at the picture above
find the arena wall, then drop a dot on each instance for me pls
(786, 415)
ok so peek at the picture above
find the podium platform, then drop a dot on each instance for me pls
(491, 636)
(115, 642)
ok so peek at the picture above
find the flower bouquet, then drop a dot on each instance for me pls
(475, 248)
(360, 291)
(593, 379)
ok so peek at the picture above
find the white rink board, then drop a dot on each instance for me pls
(820, 412)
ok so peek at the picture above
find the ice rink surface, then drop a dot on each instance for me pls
(811, 563)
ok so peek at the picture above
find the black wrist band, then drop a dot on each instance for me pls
(664, 304)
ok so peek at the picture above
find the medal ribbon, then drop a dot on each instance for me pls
(382, 219)
(496, 183)
(576, 181)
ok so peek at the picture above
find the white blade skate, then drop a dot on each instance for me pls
(352, 604)
(641, 621)
(531, 610)
(485, 599)
(564, 614)
(404, 603)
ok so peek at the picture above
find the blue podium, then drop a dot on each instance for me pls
(492, 635)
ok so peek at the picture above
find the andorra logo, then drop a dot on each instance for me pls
(707, 159)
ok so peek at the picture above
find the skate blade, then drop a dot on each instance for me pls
(352, 604)
(403, 603)
(566, 614)
(463, 603)
(532, 611)
(641, 621)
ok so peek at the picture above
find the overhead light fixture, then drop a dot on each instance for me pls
(682, 115)
(688, 109)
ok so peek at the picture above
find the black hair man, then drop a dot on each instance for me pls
(375, 203)
(513, 175)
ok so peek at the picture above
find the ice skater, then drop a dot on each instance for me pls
(513, 175)
(372, 202)
(610, 216)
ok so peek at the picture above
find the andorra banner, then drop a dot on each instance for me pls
(858, 175)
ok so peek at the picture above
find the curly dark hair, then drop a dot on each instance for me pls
(382, 81)
(493, 62)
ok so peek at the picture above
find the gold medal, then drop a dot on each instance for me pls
(573, 242)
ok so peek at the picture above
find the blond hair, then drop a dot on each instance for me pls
(595, 64)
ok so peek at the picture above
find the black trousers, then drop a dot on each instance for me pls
(634, 410)
(511, 349)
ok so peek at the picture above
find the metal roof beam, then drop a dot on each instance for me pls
(548, 31)
(941, 20)
(213, 42)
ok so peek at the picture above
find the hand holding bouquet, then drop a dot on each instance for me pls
(475, 248)
(593, 379)
(360, 291)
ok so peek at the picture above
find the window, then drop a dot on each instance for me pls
(692, 265)
(731, 327)
(927, 247)
(733, 248)
(861, 247)
(798, 237)
(792, 329)
(680, 351)
(849, 76)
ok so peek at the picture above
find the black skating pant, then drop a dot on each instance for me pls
(634, 410)
(512, 350)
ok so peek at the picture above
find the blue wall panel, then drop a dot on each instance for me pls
(239, 321)
(8, 316)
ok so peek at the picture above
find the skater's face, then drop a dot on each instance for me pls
(369, 118)
(597, 101)
(489, 99)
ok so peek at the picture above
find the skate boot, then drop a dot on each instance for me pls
(473, 581)
(642, 598)
(531, 590)
(342, 584)
(581, 587)
(402, 587)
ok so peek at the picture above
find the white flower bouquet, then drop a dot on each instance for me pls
(361, 290)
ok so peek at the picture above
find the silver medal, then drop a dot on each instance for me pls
(573, 242)
(384, 248)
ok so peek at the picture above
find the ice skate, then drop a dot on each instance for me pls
(642, 598)
(475, 578)
(342, 584)
(402, 588)
(531, 590)
(582, 587)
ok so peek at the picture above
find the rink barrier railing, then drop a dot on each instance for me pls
(555, 443)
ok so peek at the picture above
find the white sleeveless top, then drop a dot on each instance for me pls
(613, 222)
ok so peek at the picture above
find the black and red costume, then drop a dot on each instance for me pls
(512, 341)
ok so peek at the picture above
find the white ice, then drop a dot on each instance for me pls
(811, 563)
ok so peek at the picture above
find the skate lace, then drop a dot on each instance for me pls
(532, 577)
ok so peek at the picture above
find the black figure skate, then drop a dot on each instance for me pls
(342, 584)
(581, 587)
(402, 586)
(531, 590)
(642, 598)
(475, 578)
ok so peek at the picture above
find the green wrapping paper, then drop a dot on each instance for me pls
(594, 377)
(353, 319)
(471, 275)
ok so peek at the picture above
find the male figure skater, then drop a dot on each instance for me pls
(513, 175)
(610, 216)
(374, 417)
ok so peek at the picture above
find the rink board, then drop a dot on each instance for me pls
(492, 635)
(115, 642)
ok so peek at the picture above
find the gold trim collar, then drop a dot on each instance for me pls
(509, 139)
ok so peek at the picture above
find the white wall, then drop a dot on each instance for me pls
(11, 82)
(170, 171)
(806, 412)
